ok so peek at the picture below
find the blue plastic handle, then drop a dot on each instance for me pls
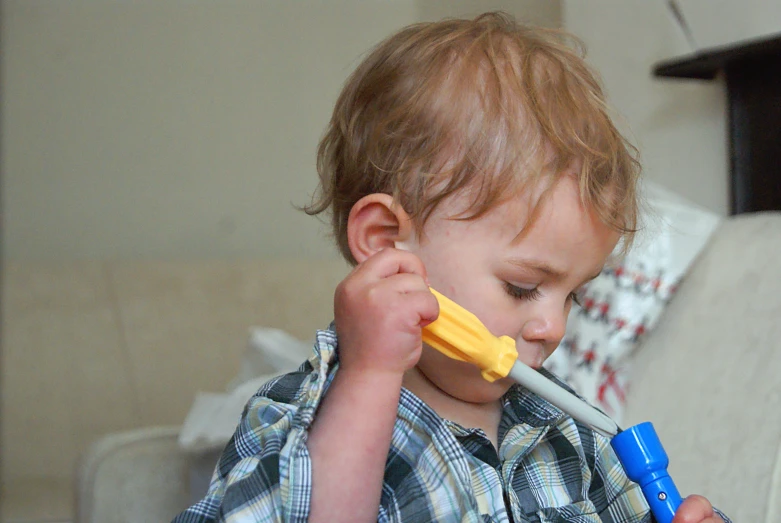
(641, 453)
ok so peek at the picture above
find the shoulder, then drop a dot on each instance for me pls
(282, 406)
(303, 389)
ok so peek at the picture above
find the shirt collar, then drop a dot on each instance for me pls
(527, 407)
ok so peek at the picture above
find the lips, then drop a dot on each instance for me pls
(533, 356)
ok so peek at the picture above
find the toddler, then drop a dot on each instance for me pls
(475, 157)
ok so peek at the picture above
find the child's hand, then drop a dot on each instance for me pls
(380, 309)
(696, 509)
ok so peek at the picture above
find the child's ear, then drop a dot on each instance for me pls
(376, 222)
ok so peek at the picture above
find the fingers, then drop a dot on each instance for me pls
(407, 274)
(426, 304)
(695, 509)
(388, 262)
(379, 310)
(384, 278)
(414, 296)
(405, 283)
(389, 270)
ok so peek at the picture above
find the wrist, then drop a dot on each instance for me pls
(365, 362)
(372, 380)
(359, 407)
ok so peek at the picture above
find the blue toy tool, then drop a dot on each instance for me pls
(641, 453)
(458, 333)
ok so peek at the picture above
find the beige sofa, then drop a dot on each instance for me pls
(707, 376)
(95, 348)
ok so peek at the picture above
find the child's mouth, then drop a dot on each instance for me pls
(533, 357)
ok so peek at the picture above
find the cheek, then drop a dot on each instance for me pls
(466, 274)
(449, 269)
(501, 314)
(507, 323)
(442, 273)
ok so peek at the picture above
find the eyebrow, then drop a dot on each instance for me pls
(545, 268)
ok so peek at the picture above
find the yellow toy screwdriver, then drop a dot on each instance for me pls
(458, 334)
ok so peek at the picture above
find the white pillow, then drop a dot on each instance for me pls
(213, 417)
(270, 350)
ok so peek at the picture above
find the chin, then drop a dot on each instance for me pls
(461, 380)
(479, 391)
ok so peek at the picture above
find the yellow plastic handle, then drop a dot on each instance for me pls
(458, 333)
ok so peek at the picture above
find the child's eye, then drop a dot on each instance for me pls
(520, 293)
(575, 298)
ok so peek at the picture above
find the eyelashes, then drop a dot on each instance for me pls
(520, 293)
(576, 296)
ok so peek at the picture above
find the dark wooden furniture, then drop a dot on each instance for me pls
(752, 71)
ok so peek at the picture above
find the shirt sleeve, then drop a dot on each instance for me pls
(265, 471)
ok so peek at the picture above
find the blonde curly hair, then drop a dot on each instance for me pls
(489, 105)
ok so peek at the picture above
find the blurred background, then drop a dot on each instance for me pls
(152, 155)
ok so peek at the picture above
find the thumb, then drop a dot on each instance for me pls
(693, 510)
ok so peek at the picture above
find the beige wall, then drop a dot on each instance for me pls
(541, 12)
(180, 129)
(723, 22)
(680, 126)
(168, 130)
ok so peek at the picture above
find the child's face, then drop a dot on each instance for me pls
(519, 286)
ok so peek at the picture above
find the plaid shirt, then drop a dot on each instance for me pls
(549, 468)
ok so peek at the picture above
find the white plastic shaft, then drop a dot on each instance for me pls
(563, 399)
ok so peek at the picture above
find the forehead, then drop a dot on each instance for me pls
(504, 218)
(553, 223)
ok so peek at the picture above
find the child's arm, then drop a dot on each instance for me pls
(379, 311)
(349, 445)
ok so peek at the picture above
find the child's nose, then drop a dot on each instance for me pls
(546, 327)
